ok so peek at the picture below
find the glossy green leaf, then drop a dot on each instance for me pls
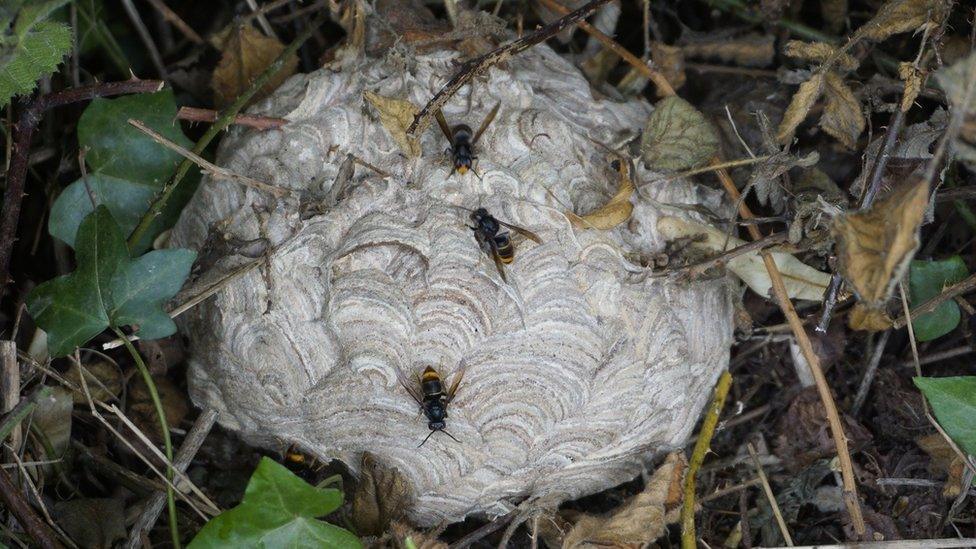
(953, 400)
(926, 280)
(278, 510)
(108, 288)
(127, 167)
(677, 136)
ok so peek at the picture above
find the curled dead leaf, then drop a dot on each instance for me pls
(864, 318)
(956, 80)
(802, 281)
(677, 136)
(842, 117)
(913, 84)
(142, 412)
(381, 497)
(245, 54)
(898, 16)
(103, 378)
(819, 52)
(616, 211)
(875, 246)
(642, 519)
(396, 115)
(803, 100)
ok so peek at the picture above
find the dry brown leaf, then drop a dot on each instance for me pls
(899, 16)
(670, 60)
(803, 100)
(913, 84)
(802, 281)
(402, 532)
(381, 497)
(819, 52)
(874, 247)
(103, 378)
(616, 211)
(834, 13)
(142, 412)
(642, 519)
(245, 55)
(842, 117)
(946, 461)
(754, 50)
(396, 115)
(863, 318)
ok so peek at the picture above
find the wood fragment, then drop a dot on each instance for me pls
(193, 114)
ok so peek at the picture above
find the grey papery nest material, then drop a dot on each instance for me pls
(579, 371)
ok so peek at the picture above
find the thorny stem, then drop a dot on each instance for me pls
(226, 118)
(698, 457)
(174, 527)
(24, 131)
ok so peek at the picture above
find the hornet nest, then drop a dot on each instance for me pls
(579, 369)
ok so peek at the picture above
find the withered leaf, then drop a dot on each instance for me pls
(142, 412)
(616, 211)
(642, 519)
(381, 497)
(52, 418)
(819, 52)
(803, 100)
(755, 50)
(677, 136)
(94, 523)
(899, 16)
(958, 80)
(842, 117)
(875, 247)
(670, 60)
(913, 84)
(396, 115)
(103, 378)
(802, 281)
(865, 318)
(244, 56)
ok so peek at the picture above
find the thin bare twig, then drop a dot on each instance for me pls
(24, 131)
(14, 501)
(696, 269)
(194, 114)
(862, 391)
(191, 444)
(215, 171)
(959, 288)
(136, 19)
(177, 21)
(770, 498)
(479, 65)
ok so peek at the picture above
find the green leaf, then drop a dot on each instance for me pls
(926, 280)
(108, 288)
(127, 167)
(278, 510)
(953, 400)
(677, 136)
(36, 54)
(33, 14)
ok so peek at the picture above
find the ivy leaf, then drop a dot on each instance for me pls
(926, 280)
(278, 510)
(127, 167)
(953, 400)
(108, 288)
(677, 136)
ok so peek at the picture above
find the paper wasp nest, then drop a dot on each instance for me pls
(579, 371)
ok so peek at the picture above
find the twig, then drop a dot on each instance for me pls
(215, 171)
(485, 530)
(813, 361)
(479, 65)
(872, 188)
(24, 131)
(957, 289)
(191, 444)
(930, 358)
(702, 266)
(157, 60)
(13, 500)
(663, 86)
(225, 120)
(711, 168)
(688, 540)
(10, 387)
(770, 498)
(731, 490)
(862, 391)
(194, 114)
(177, 21)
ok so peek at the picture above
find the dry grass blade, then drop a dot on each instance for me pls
(617, 210)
